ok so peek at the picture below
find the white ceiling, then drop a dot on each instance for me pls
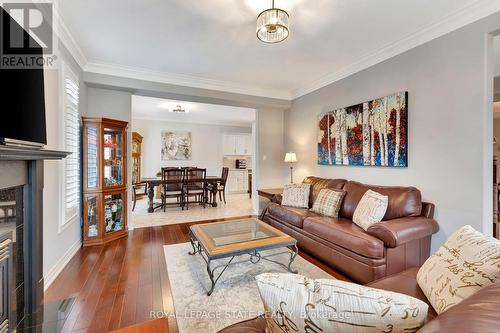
(212, 43)
(199, 113)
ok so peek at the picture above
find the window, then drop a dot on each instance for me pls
(71, 136)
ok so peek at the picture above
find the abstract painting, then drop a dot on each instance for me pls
(175, 145)
(373, 133)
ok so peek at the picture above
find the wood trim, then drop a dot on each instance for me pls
(137, 137)
(269, 193)
(115, 122)
(214, 250)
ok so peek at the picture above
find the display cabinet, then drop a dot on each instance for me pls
(104, 180)
(136, 157)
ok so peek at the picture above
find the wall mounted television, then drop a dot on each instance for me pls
(22, 97)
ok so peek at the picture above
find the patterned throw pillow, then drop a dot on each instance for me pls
(328, 202)
(465, 263)
(294, 303)
(296, 195)
(371, 209)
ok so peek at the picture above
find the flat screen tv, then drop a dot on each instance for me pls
(22, 98)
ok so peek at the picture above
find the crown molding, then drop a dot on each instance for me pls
(454, 21)
(71, 44)
(65, 36)
(138, 73)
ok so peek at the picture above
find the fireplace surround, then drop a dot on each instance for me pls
(21, 228)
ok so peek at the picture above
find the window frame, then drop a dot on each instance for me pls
(69, 217)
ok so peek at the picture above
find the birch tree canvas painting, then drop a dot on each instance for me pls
(373, 133)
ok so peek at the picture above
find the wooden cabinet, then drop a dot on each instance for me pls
(237, 144)
(136, 157)
(237, 181)
(104, 180)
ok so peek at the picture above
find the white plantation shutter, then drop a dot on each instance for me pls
(72, 144)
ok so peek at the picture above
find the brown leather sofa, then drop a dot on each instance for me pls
(402, 240)
(479, 313)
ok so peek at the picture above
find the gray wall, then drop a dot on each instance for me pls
(449, 81)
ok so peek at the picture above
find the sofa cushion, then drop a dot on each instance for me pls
(328, 202)
(344, 233)
(290, 215)
(403, 201)
(318, 183)
(405, 283)
(370, 210)
(296, 195)
(299, 304)
(465, 263)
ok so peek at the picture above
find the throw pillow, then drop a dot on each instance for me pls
(371, 209)
(296, 195)
(294, 303)
(328, 202)
(465, 263)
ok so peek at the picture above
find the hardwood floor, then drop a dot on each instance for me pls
(119, 284)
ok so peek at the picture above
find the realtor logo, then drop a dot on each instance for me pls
(26, 38)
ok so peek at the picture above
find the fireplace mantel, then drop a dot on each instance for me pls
(10, 153)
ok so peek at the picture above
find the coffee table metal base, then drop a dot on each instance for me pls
(255, 257)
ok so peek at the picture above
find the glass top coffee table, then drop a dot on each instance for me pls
(231, 239)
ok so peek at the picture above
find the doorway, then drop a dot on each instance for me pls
(184, 134)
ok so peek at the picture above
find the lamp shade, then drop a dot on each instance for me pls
(290, 157)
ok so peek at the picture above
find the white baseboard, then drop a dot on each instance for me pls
(60, 264)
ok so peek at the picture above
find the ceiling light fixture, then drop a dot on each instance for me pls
(272, 25)
(178, 109)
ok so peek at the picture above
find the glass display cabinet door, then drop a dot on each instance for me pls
(114, 212)
(92, 138)
(136, 147)
(136, 178)
(113, 157)
(92, 215)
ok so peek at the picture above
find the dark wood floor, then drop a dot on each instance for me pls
(119, 284)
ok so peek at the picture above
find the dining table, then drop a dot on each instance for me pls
(152, 182)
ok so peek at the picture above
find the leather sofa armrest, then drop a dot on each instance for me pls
(478, 313)
(277, 198)
(400, 231)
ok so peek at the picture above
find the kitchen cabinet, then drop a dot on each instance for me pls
(237, 181)
(237, 144)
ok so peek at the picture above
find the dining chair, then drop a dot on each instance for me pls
(221, 186)
(172, 181)
(194, 186)
(139, 190)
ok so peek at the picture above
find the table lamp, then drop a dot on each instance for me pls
(291, 158)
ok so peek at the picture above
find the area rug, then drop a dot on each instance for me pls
(235, 297)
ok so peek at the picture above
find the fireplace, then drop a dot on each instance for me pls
(12, 255)
(21, 237)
